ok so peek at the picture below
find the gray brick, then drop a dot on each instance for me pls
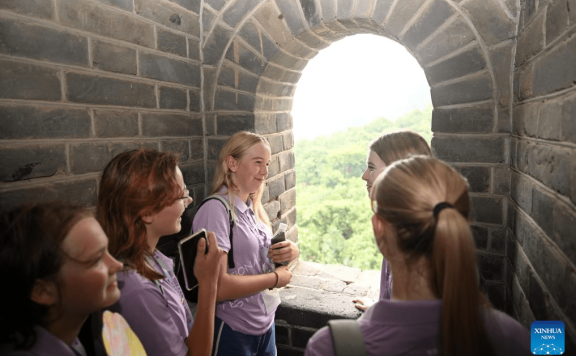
(216, 44)
(572, 5)
(276, 187)
(170, 42)
(194, 96)
(216, 4)
(31, 161)
(287, 200)
(563, 222)
(43, 9)
(150, 145)
(487, 209)
(91, 17)
(237, 79)
(470, 149)
(344, 9)
(478, 178)
(215, 146)
(274, 167)
(237, 11)
(556, 19)
(170, 70)
(491, 21)
(227, 125)
(551, 72)
(89, 157)
(193, 172)
(276, 144)
(470, 90)
(192, 5)
(283, 121)
(401, 14)
(501, 180)
(381, 10)
(272, 209)
(38, 42)
(503, 56)
(504, 125)
(286, 161)
(251, 35)
(328, 10)
(462, 64)
(210, 124)
(208, 19)
(290, 179)
(526, 119)
(179, 147)
(281, 334)
(550, 120)
(122, 4)
(564, 174)
(459, 120)
(246, 58)
(116, 148)
(521, 192)
(492, 267)
(173, 98)
(31, 122)
(311, 12)
(231, 100)
(154, 125)
(498, 241)
(453, 37)
(89, 89)
(480, 235)
(196, 148)
(193, 49)
(542, 210)
(300, 337)
(288, 139)
(82, 192)
(291, 15)
(363, 11)
(568, 126)
(113, 58)
(111, 123)
(530, 41)
(434, 16)
(28, 81)
(168, 15)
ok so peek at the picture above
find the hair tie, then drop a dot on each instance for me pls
(439, 207)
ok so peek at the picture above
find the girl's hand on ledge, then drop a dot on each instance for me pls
(284, 251)
(363, 303)
(284, 276)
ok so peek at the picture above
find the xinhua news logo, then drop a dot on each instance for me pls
(547, 338)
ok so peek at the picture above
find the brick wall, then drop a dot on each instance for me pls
(82, 80)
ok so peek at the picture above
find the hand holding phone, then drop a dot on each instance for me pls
(188, 248)
(279, 237)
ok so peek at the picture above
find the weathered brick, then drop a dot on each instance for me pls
(232, 100)
(542, 210)
(531, 41)
(112, 123)
(193, 172)
(173, 98)
(123, 4)
(83, 88)
(31, 161)
(290, 178)
(216, 4)
(286, 161)
(568, 126)
(196, 148)
(169, 15)
(272, 209)
(269, 48)
(282, 334)
(276, 144)
(237, 11)
(116, 148)
(35, 8)
(491, 21)
(501, 180)
(401, 15)
(292, 16)
(113, 58)
(273, 167)
(91, 17)
(89, 157)
(478, 178)
(283, 121)
(179, 147)
(455, 36)
(246, 58)
(492, 267)
(170, 42)
(28, 81)
(496, 293)
(470, 149)
(311, 12)
(193, 49)
(470, 90)
(556, 19)
(551, 72)
(237, 79)
(215, 44)
(43, 43)
(31, 122)
(563, 222)
(498, 241)
(154, 125)
(550, 120)
(521, 192)
(210, 125)
(169, 70)
(287, 200)
(572, 5)
(227, 125)
(194, 97)
(215, 146)
(480, 234)
(276, 187)
(288, 140)
(249, 32)
(82, 192)
(459, 120)
(487, 209)
(381, 10)
(435, 15)
(328, 10)
(150, 145)
(460, 65)
(526, 120)
(192, 5)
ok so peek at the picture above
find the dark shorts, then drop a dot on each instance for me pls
(228, 342)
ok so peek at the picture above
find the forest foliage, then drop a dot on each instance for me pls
(331, 198)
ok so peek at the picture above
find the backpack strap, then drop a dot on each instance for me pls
(231, 220)
(347, 337)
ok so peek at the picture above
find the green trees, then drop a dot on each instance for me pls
(332, 201)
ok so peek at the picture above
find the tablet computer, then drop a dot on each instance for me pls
(187, 248)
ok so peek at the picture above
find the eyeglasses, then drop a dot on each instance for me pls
(186, 194)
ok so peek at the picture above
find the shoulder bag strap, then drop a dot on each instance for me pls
(347, 337)
(230, 219)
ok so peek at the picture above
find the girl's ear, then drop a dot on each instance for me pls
(44, 292)
(231, 163)
(148, 218)
(378, 225)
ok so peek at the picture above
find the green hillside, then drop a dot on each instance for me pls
(332, 202)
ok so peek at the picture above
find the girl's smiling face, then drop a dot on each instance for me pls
(374, 166)
(251, 170)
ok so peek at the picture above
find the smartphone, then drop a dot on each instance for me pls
(187, 247)
(279, 237)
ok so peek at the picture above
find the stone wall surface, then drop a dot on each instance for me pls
(82, 80)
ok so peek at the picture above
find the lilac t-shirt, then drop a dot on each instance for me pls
(411, 328)
(157, 316)
(46, 345)
(251, 239)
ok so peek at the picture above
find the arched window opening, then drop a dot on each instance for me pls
(349, 94)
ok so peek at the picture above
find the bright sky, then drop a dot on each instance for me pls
(355, 81)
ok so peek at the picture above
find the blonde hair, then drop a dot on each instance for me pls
(406, 194)
(236, 146)
(396, 145)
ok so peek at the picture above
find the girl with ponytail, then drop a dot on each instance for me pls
(421, 225)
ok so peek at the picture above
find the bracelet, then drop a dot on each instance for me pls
(276, 281)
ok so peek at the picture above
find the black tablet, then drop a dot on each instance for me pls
(187, 248)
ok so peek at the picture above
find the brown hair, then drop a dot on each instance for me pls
(30, 249)
(396, 145)
(236, 146)
(405, 195)
(134, 184)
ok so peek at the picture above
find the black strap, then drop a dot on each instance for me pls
(230, 218)
(347, 337)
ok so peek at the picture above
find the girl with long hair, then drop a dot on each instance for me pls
(246, 292)
(55, 263)
(384, 150)
(142, 197)
(421, 224)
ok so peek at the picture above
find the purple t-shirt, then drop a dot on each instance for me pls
(156, 315)
(251, 239)
(411, 328)
(385, 281)
(46, 345)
